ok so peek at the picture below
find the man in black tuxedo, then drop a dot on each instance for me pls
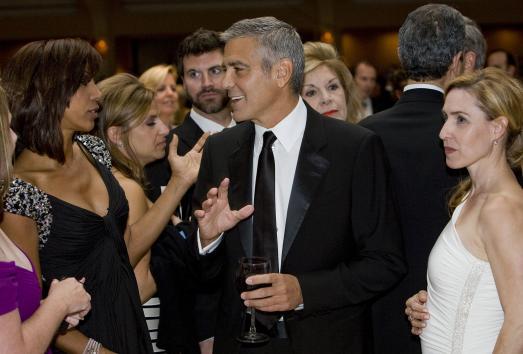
(335, 240)
(200, 65)
(430, 51)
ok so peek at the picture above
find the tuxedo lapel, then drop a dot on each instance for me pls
(240, 187)
(310, 169)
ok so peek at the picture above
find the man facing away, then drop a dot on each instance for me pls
(430, 49)
(190, 319)
(335, 240)
(474, 47)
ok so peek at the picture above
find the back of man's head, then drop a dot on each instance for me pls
(429, 39)
(475, 42)
(199, 42)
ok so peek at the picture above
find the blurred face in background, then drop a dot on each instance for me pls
(323, 91)
(365, 77)
(203, 81)
(166, 98)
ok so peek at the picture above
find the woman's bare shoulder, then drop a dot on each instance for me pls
(31, 167)
(129, 185)
(501, 215)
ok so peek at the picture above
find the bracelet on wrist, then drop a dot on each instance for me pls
(92, 347)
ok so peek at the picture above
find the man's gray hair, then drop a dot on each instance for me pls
(277, 40)
(429, 39)
(475, 42)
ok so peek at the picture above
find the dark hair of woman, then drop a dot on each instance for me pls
(40, 80)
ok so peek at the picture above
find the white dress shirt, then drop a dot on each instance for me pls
(289, 135)
(207, 125)
(423, 86)
(367, 107)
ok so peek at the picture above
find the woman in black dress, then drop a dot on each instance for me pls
(65, 209)
(131, 127)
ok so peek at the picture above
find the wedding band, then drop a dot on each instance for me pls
(410, 318)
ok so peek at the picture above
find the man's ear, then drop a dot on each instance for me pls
(455, 66)
(114, 135)
(469, 61)
(283, 71)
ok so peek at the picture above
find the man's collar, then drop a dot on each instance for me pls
(289, 128)
(423, 86)
(207, 125)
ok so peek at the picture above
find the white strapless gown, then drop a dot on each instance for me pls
(465, 312)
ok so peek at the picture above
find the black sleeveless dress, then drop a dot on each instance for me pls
(77, 242)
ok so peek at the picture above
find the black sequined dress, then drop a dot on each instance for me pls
(77, 242)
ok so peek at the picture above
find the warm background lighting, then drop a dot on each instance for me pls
(327, 37)
(101, 46)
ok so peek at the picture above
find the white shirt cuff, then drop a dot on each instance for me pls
(210, 247)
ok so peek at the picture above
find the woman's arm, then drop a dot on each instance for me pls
(144, 278)
(500, 226)
(141, 234)
(23, 232)
(138, 207)
(34, 335)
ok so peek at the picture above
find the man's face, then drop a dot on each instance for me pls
(498, 60)
(365, 77)
(203, 80)
(253, 91)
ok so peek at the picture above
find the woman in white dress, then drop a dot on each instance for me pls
(475, 272)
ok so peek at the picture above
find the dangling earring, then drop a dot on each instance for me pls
(495, 142)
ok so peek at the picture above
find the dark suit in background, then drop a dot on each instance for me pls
(422, 182)
(342, 239)
(187, 307)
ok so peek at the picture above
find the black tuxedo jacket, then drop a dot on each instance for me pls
(342, 239)
(422, 182)
(187, 307)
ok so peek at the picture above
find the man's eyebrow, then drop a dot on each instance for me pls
(235, 63)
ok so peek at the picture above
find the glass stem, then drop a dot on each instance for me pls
(252, 328)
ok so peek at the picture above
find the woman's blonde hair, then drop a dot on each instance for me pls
(153, 78)
(126, 102)
(319, 53)
(6, 146)
(497, 94)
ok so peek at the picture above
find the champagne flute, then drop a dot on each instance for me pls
(248, 266)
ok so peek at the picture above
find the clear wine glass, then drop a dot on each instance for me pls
(248, 266)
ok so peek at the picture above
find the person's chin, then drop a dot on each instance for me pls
(455, 165)
(239, 116)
